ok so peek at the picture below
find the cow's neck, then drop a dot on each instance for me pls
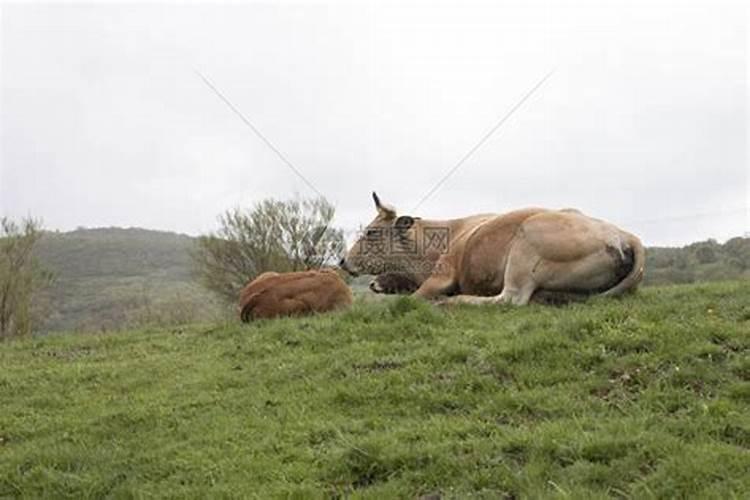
(436, 237)
(453, 227)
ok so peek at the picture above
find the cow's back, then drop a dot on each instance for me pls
(290, 294)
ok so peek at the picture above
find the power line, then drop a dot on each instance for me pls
(482, 140)
(695, 215)
(257, 132)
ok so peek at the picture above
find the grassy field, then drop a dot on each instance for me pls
(643, 397)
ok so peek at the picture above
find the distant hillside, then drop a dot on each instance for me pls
(111, 278)
(699, 262)
(115, 278)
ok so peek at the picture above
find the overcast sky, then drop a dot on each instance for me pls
(644, 121)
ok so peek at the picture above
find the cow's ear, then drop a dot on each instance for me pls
(404, 222)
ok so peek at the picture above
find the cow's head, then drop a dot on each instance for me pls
(387, 244)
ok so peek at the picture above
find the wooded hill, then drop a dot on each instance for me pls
(114, 278)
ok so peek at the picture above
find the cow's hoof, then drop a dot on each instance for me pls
(444, 301)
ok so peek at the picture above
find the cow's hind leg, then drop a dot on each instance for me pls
(516, 295)
(510, 295)
(435, 286)
(519, 287)
(464, 299)
(522, 271)
(519, 282)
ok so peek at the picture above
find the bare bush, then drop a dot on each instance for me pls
(273, 236)
(20, 275)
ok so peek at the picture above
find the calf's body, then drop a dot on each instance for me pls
(273, 294)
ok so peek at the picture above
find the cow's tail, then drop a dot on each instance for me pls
(633, 249)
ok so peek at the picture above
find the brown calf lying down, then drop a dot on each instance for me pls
(291, 294)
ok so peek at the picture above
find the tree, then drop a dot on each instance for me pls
(273, 236)
(20, 275)
(738, 250)
(706, 251)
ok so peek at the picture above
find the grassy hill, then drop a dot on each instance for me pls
(648, 396)
(111, 277)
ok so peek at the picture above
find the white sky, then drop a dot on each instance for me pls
(644, 123)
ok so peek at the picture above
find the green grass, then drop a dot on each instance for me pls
(648, 396)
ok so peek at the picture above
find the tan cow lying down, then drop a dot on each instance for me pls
(291, 294)
(502, 258)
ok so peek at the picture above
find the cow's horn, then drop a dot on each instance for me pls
(376, 199)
